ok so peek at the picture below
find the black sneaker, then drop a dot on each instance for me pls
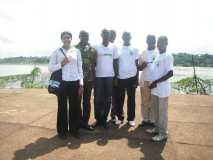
(113, 120)
(144, 124)
(96, 124)
(62, 136)
(75, 134)
(105, 125)
(88, 127)
(151, 124)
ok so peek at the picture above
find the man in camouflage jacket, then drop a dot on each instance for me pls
(89, 56)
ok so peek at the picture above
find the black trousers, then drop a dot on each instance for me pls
(86, 109)
(103, 98)
(114, 105)
(68, 118)
(129, 86)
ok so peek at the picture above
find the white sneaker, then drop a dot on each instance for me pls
(151, 131)
(159, 138)
(113, 120)
(118, 122)
(131, 123)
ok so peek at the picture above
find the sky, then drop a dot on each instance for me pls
(33, 27)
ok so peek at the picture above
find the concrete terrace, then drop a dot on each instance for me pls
(27, 131)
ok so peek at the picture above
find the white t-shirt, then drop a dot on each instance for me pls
(147, 73)
(127, 65)
(114, 48)
(105, 57)
(162, 64)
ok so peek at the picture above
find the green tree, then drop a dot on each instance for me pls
(35, 73)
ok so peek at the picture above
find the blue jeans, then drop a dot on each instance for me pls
(103, 98)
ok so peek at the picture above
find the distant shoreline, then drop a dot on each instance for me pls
(180, 60)
(40, 64)
(45, 64)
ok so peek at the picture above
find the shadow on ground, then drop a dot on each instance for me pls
(137, 138)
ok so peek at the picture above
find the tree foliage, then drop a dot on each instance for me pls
(24, 60)
(185, 59)
(194, 85)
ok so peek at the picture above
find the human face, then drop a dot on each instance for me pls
(162, 44)
(84, 38)
(126, 38)
(66, 40)
(150, 43)
(105, 37)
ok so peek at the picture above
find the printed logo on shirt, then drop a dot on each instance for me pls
(107, 54)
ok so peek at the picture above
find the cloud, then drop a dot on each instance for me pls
(5, 16)
(33, 27)
(5, 40)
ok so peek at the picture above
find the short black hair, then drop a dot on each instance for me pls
(104, 31)
(151, 39)
(127, 33)
(83, 32)
(66, 33)
(164, 38)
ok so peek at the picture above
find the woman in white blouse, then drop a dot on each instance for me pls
(71, 86)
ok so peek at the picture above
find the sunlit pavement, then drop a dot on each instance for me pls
(27, 131)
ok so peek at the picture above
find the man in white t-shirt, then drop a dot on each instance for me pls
(127, 79)
(146, 77)
(107, 60)
(161, 89)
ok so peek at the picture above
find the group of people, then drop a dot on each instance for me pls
(112, 72)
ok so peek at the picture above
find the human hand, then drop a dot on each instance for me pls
(153, 85)
(64, 62)
(81, 91)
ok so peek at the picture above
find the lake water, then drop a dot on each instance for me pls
(179, 72)
(13, 69)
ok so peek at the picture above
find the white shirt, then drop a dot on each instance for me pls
(72, 71)
(127, 65)
(114, 48)
(147, 73)
(162, 64)
(105, 57)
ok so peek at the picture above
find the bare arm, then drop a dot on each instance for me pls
(163, 78)
(141, 63)
(116, 67)
(142, 66)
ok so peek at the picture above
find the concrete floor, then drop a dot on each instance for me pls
(27, 131)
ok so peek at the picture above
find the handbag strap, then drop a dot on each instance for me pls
(63, 52)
